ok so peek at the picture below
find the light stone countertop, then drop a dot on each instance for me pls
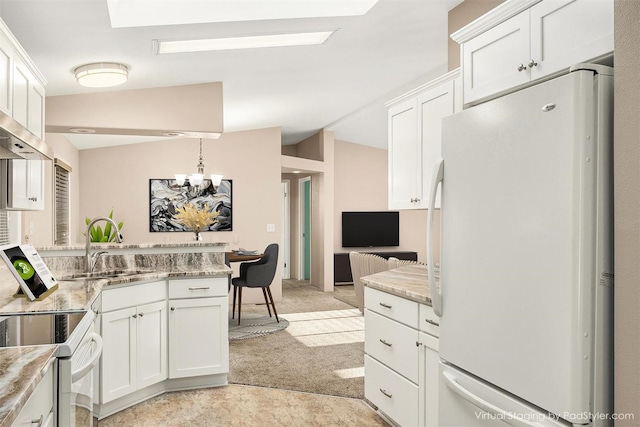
(409, 281)
(21, 369)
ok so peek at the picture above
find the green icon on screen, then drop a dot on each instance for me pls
(24, 269)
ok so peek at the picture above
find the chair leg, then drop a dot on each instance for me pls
(233, 311)
(264, 293)
(273, 304)
(239, 302)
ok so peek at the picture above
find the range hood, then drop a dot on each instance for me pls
(16, 142)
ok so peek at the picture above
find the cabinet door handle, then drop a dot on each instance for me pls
(135, 316)
(141, 314)
(522, 67)
(432, 322)
(33, 199)
(39, 422)
(385, 343)
(389, 395)
(532, 63)
(173, 309)
(203, 288)
(385, 305)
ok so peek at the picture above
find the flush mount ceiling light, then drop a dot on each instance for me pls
(247, 42)
(101, 74)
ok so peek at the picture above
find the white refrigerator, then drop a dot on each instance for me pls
(526, 256)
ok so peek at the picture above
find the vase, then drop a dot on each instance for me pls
(197, 237)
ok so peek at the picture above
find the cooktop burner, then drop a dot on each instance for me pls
(38, 328)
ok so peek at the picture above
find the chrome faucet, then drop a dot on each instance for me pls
(90, 260)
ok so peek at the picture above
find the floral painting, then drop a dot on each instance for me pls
(167, 197)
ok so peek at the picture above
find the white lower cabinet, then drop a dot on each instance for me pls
(401, 359)
(393, 394)
(165, 335)
(429, 372)
(135, 347)
(198, 327)
(39, 409)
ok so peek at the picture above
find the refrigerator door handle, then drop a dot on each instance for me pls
(436, 292)
(477, 401)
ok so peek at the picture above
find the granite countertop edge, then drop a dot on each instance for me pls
(34, 362)
(409, 282)
(133, 246)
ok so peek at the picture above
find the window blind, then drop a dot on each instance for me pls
(61, 209)
(4, 228)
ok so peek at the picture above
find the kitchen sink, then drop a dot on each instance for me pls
(106, 274)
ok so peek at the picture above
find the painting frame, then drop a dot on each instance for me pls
(166, 196)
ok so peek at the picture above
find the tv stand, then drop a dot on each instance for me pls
(342, 266)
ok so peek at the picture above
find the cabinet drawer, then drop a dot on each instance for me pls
(392, 343)
(133, 295)
(198, 287)
(399, 309)
(40, 404)
(429, 322)
(392, 394)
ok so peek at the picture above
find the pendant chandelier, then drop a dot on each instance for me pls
(196, 179)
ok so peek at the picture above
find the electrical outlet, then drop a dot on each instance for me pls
(271, 228)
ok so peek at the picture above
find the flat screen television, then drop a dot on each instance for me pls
(369, 229)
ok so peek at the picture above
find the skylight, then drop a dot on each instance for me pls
(143, 13)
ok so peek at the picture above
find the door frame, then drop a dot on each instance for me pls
(301, 238)
(286, 229)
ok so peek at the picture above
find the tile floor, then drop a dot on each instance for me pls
(241, 405)
(237, 405)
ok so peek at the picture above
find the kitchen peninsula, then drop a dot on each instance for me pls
(186, 282)
(401, 346)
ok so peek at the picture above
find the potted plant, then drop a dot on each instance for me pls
(96, 234)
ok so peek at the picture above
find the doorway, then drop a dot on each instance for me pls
(304, 188)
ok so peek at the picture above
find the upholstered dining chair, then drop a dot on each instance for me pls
(257, 274)
(363, 264)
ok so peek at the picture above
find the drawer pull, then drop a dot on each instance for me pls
(385, 305)
(39, 422)
(389, 395)
(431, 322)
(203, 288)
(385, 343)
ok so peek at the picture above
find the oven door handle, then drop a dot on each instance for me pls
(87, 367)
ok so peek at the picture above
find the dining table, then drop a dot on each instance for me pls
(235, 256)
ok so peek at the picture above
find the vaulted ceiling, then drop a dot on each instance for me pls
(340, 85)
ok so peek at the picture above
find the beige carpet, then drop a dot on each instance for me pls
(346, 293)
(321, 351)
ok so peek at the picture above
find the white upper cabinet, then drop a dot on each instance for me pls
(21, 84)
(404, 156)
(22, 184)
(6, 70)
(522, 41)
(28, 99)
(414, 122)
